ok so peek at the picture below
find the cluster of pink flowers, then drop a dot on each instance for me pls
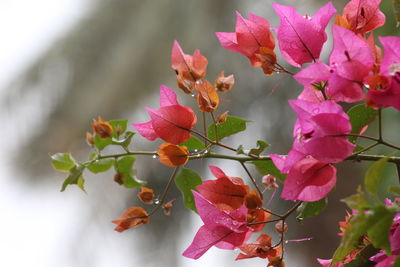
(355, 66)
(358, 70)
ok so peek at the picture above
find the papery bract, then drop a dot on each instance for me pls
(146, 195)
(102, 128)
(224, 84)
(196, 64)
(384, 89)
(309, 180)
(132, 217)
(363, 16)
(316, 128)
(301, 38)
(351, 61)
(253, 38)
(223, 229)
(227, 193)
(207, 97)
(391, 58)
(173, 155)
(172, 122)
(261, 248)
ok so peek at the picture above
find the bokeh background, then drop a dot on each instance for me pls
(65, 62)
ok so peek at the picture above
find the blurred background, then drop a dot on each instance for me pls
(65, 62)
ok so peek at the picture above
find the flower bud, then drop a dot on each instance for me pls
(102, 128)
(269, 182)
(207, 97)
(281, 227)
(146, 195)
(118, 178)
(89, 139)
(252, 200)
(224, 84)
(222, 117)
(167, 207)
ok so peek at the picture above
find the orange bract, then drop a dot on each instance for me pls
(102, 128)
(224, 84)
(173, 155)
(207, 98)
(252, 200)
(132, 217)
(189, 68)
(146, 195)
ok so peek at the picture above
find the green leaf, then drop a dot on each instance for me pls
(124, 167)
(119, 126)
(396, 10)
(357, 201)
(357, 227)
(124, 142)
(75, 177)
(261, 145)
(360, 116)
(379, 223)
(394, 190)
(311, 209)
(193, 143)
(186, 181)
(240, 150)
(62, 161)
(231, 126)
(265, 167)
(397, 262)
(375, 222)
(101, 165)
(374, 176)
(363, 256)
(101, 143)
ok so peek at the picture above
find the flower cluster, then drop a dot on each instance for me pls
(324, 134)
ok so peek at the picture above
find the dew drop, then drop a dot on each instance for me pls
(156, 201)
(192, 95)
(196, 150)
(155, 156)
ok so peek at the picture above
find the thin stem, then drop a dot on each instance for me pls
(281, 68)
(369, 138)
(215, 127)
(269, 221)
(252, 179)
(204, 128)
(166, 190)
(365, 149)
(287, 214)
(380, 124)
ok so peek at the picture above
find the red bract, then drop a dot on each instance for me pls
(227, 193)
(351, 61)
(316, 128)
(172, 122)
(309, 180)
(262, 248)
(253, 39)
(188, 68)
(384, 89)
(223, 229)
(196, 65)
(301, 38)
(363, 16)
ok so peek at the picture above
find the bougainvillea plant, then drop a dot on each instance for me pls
(234, 212)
